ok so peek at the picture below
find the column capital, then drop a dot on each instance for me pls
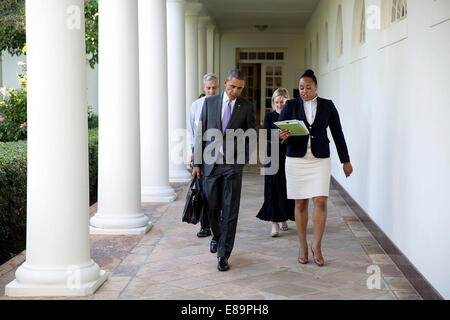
(203, 21)
(211, 27)
(193, 8)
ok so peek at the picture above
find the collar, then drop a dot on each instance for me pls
(311, 101)
(226, 98)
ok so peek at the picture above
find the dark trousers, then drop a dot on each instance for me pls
(223, 194)
(204, 221)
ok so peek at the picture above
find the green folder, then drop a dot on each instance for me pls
(296, 127)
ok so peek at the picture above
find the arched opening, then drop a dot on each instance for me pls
(339, 42)
(393, 11)
(359, 23)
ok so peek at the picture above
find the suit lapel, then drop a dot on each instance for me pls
(319, 111)
(235, 113)
(219, 111)
(302, 112)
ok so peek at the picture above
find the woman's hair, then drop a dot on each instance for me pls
(279, 92)
(309, 74)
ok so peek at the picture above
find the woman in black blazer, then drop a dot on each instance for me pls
(308, 165)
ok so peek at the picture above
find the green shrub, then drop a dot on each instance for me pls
(93, 165)
(13, 195)
(92, 119)
(13, 110)
(13, 115)
(13, 198)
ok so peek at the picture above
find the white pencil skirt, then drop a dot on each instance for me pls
(308, 177)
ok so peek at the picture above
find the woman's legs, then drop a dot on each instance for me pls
(275, 229)
(319, 219)
(283, 226)
(301, 220)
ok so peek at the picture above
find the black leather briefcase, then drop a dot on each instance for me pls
(195, 205)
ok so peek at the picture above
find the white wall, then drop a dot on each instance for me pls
(92, 87)
(393, 98)
(291, 40)
(9, 70)
(1, 71)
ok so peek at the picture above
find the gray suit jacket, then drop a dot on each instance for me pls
(243, 117)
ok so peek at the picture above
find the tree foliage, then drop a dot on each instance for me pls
(91, 17)
(13, 35)
(12, 26)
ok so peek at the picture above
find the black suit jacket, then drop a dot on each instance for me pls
(326, 116)
(243, 117)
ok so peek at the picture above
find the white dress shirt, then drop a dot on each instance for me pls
(225, 103)
(194, 117)
(310, 108)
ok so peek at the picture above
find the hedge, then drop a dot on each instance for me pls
(13, 193)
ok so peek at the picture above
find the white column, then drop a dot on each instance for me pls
(58, 261)
(217, 53)
(192, 88)
(153, 102)
(210, 48)
(119, 170)
(202, 57)
(177, 93)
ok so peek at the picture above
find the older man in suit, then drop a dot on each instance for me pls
(224, 114)
(210, 87)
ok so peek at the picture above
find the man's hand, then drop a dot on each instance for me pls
(196, 172)
(190, 161)
(348, 169)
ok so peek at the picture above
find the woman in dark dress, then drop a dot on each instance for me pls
(276, 208)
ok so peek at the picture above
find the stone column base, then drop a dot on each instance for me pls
(131, 231)
(180, 176)
(158, 194)
(42, 282)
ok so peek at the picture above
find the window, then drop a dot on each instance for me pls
(306, 58)
(399, 10)
(273, 82)
(393, 11)
(327, 55)
(317, 51)
(310, 54)
(262, 55)
(359, 23)
(339, 34)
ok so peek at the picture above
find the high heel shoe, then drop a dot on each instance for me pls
(303, 261)
(275, 233)
(300, 260)
(319, 263)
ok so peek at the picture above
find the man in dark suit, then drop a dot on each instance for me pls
(225, 123)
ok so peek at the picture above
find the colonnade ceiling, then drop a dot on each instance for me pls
(276, 14)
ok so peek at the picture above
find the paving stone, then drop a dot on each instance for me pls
(171, 262)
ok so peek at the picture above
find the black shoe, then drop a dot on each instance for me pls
(222, 264)
(213, 246)
(204, 233)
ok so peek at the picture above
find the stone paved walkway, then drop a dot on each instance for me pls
(170, 262)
